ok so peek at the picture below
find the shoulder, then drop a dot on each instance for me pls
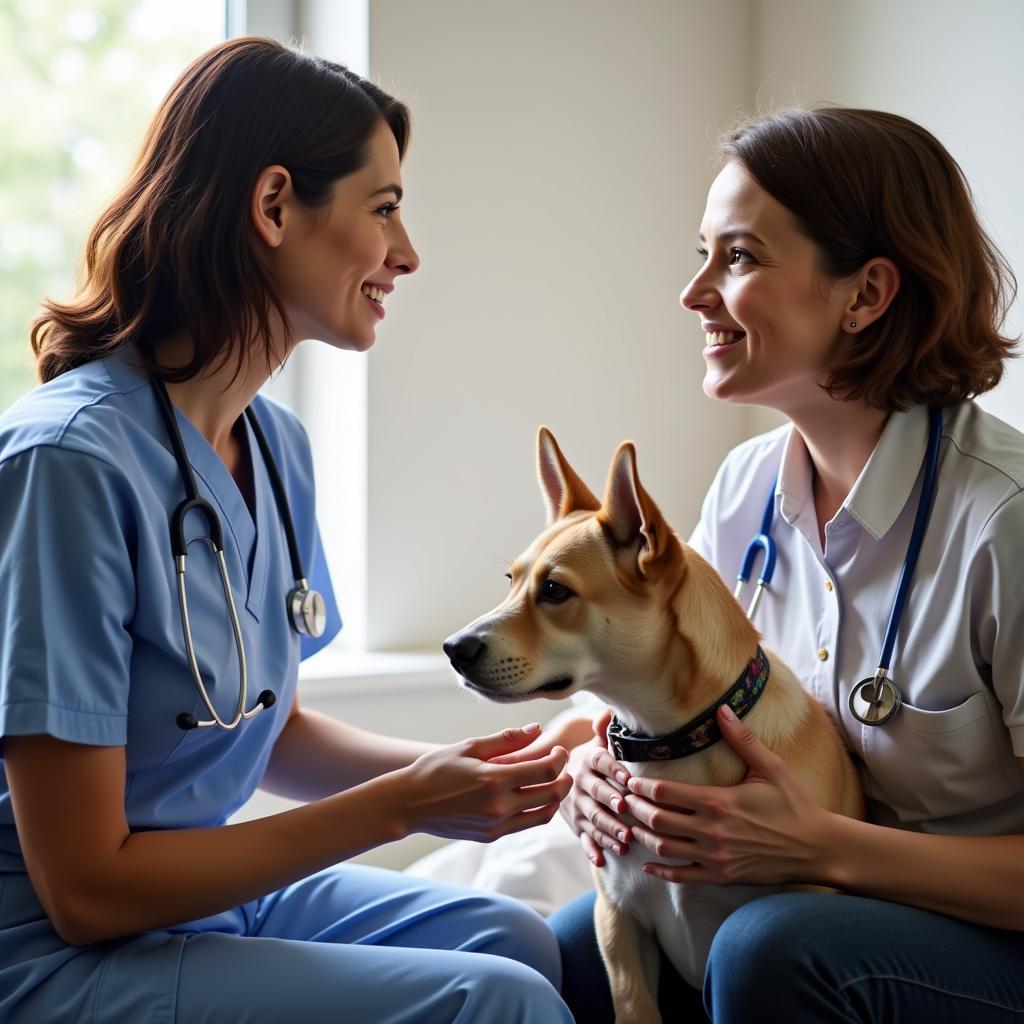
(751, 466)
(756, 451)
(82, 411)
(981, 479)
(285, 434)
(289, 444)
(280, 422)
(985, 446)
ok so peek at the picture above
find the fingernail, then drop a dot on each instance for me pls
(623, 835)
(633, 785)
(617, 804)
(622, 777)
(532, 727)
(727, 712)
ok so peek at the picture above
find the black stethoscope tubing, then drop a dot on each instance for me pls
(306, 608)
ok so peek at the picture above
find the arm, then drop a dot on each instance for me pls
(99, 880)
(317, 755)
(768, 830)
(975, 878)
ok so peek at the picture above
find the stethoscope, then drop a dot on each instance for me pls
(873, 701)
(306, 609)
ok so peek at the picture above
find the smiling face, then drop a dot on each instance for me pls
(771, 317)
(336, 264)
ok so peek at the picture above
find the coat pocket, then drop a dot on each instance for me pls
(933, 764)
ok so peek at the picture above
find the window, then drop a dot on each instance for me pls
(81, 82)
(86, 78)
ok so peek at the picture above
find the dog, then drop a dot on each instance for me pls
(609, 599)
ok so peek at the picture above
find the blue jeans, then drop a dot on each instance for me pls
(819, 959)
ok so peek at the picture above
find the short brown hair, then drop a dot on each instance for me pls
(864, 184)
(175, 249)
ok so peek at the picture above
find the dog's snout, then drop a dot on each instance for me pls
(464, 651)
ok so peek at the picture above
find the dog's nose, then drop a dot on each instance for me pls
(464, 651)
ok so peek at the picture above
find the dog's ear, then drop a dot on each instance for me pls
(630, 514)
(563, 490)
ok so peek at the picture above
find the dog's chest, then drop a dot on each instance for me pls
(684, 918)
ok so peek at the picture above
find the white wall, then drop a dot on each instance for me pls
(561, 155)
(555, 185)
(954, 67)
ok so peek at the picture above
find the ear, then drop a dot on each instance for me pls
(271, 199)
(876, 286)
(628, 512)
(563, 490)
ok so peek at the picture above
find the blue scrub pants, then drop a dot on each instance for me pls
(820, 959)
(349, 945)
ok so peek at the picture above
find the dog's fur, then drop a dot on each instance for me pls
(652, 629)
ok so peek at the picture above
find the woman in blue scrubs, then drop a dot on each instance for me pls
(263, 210)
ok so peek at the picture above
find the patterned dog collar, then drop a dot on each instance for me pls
(700, 732)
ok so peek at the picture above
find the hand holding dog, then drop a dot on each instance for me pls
(767, 830)
(599, 783)
(458, 792)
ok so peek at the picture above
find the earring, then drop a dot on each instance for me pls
(853, 323)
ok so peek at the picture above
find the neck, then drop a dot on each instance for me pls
(840, 437)
(211, 401)
(698, 667)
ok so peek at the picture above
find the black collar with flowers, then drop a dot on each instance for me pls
(700, 732)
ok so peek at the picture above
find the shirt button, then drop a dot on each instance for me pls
(822, 654)
(828, 585)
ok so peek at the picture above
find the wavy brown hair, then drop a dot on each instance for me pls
(864, 184)
(176, 249)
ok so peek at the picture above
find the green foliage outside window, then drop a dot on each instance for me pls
(78, 84)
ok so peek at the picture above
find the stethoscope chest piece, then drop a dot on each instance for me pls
(307, 610)
(874, 701)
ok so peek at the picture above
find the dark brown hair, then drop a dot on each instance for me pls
(175, 249)
(864, 184)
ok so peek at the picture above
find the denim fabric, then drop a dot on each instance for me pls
(820, 959)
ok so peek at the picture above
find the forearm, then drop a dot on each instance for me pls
(317, 755)
(164, 877)
(978, 879)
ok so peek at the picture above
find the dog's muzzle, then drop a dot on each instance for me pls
(464, 652)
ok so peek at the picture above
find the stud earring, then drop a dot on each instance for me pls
(853, 323)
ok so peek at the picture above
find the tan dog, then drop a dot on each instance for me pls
(609, 599)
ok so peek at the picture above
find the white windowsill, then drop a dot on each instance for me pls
(377, 671)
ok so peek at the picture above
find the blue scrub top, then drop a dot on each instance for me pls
(91, 646)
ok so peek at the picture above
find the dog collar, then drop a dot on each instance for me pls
(700, 732)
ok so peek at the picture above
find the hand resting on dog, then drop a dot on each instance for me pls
(767, 830)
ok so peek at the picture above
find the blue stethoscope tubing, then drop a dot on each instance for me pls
(306, 608)
(875, 700)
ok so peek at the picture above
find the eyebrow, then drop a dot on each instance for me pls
(733, 234)
(397, 189)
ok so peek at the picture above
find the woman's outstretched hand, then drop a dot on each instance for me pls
(767, 830)
(599, 787)
(460, 793)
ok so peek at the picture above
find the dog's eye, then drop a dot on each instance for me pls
(554, 593)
